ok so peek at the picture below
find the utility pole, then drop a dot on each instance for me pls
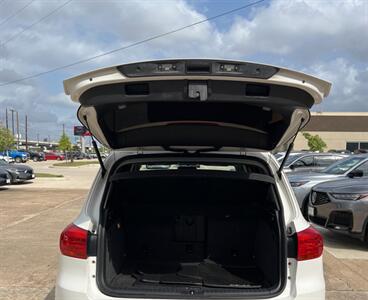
(6, 119)
(17, 130)
(63, 129)
(26, 132)
(38, 139)
(12, 115)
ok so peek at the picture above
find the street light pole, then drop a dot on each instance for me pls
(12, 119)
(6, 119)
(26, 132)
(17, 130)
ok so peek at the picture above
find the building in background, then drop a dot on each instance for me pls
(339, 130)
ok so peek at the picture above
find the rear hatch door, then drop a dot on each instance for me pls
(195, 103)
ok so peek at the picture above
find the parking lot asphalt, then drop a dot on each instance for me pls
(33, 215)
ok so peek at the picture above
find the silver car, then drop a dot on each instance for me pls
(309, 161)
(341, 206)
(302, 183)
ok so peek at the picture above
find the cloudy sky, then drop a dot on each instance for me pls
(324, 38)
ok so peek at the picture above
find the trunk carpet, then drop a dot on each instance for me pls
(206, 273)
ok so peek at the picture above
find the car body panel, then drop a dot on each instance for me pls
(81, 285)
(170, 128)
(313, 178)
(18, 156)
(7, 158)
(358, 209)
(77, 85)
(54, 156)
(307, 277)
(5, 177)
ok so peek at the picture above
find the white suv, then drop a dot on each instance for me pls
(191, 203)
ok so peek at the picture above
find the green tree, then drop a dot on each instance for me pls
(65, 145)
(315, 143)
(6, 139)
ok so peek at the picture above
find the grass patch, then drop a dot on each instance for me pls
(75, 163)
(48, 175)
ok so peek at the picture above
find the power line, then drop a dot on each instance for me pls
(35, 23)
(16, 13)
(133, 44)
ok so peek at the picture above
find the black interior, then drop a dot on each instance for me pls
(170, 232)
(164, 113)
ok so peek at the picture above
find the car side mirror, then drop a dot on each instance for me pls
(355, 173)
(292, 167)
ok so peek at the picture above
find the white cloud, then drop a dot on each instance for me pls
(349, 91)
(326, 38)
(303, 30)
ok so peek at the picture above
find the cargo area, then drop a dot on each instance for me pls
(169, 232)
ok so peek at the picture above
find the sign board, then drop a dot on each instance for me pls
(81, 131)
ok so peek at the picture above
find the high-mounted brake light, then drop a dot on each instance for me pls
(310, 244)
(73, 242)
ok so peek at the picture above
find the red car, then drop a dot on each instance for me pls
(54, 156)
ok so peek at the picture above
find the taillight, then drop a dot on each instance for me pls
(310, 244)
(73, 242)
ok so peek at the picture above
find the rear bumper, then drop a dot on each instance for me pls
(76, 280)
(65, 294)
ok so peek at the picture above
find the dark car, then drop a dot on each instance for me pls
(81, 155)
(4, 177)
(341, 206)
(37, 156)
(34, 155)
(19, 173)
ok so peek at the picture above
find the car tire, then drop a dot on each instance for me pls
(18, 160)
(366, 234)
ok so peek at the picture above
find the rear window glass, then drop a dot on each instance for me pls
(324, 161)
(292, 158)
(181, 166)
(343, 166)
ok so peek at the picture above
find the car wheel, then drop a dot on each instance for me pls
(18, 160)
(35, 159)
(58, 158)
